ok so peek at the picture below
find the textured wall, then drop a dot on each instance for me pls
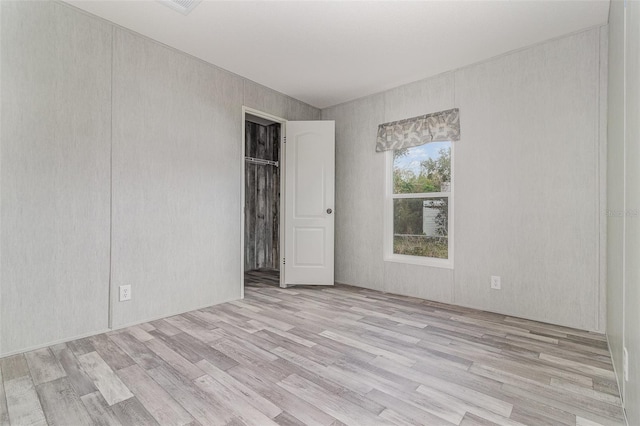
(268, 100)
(632, 205)
(359, 177)
(526, 184)
(623, 190)
(632, 201)
(54, 157)
(615, 185)
(176, 175)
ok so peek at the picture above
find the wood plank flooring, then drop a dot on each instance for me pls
(318, 356)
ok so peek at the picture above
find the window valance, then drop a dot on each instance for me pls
(439, 126)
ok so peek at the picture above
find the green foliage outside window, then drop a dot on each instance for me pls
(408, 221)
(433, 173)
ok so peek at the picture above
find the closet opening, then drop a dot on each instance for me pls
(263, 173)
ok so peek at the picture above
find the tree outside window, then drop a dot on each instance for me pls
(421, 192)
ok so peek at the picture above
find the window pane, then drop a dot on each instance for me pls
(421, 227)
(424, 168)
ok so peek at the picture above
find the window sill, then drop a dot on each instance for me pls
(421, 261)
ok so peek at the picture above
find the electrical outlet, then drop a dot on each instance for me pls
(495, 282)
(125, 292)
(625, 364)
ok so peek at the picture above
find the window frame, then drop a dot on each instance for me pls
(389, 255)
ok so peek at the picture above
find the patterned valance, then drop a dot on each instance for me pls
(439, 126)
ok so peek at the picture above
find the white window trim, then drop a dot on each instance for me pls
(389, 255)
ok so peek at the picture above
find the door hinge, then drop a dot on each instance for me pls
(283, 261)
(285, 139)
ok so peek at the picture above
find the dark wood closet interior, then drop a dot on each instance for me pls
(262, 195)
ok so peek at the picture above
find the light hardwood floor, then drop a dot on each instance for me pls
(323, 356)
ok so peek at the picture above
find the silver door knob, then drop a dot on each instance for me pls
(329, 211)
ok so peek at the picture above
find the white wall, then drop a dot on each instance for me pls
(623, 326)
(615, 185)
(54, 186)
(527, 184)
(632, 203)
(175, 181)
(105, 132)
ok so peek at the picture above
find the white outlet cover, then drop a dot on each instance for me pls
(625, 364)
(125, 292)
(495, 282)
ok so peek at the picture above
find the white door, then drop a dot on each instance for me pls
(309, 202)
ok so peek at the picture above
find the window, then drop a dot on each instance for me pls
(419, 205)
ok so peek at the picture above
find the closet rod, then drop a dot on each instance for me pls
(260, 161)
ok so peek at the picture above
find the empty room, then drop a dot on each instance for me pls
(319, 212)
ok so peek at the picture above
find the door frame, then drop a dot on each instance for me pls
(283, 131)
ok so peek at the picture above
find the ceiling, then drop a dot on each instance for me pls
(328, 52)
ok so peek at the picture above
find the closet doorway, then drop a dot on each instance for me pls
(263, 198)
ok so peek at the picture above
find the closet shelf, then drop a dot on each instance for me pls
(261, 161)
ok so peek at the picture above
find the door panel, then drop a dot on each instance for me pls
(308, 246)
(309, 189)
(309, 183)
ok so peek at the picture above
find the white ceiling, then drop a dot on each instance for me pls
(329, 52)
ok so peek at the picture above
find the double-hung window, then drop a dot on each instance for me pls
(419, 194)
(419, 202)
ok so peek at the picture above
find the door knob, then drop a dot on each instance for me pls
(329, 211)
